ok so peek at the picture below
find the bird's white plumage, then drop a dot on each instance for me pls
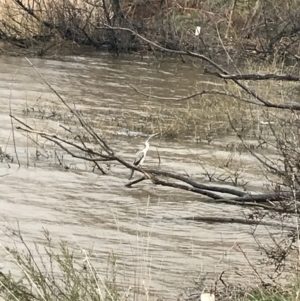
(139, 157)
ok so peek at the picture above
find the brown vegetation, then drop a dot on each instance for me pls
(257, 28)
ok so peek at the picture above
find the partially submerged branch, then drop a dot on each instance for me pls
(160, 177)
(229, 220)
(282, 77)
(200, 93)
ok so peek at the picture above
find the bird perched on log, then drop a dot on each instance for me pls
(141, 155)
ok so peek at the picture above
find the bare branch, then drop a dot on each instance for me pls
(229, 220)
(197, 185)
(283, 77)
(203, 92)
(86, 126)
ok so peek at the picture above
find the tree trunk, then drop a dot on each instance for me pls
(118, 14)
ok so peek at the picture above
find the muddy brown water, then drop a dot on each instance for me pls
(156, 249)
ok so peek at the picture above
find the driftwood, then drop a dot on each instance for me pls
(283, 77)
(229, 220)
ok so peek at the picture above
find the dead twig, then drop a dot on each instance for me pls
(201, 93)
(259, 77)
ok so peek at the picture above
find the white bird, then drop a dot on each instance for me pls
(141, 155)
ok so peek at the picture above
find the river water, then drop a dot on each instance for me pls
(155, 248)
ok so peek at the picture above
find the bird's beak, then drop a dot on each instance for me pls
(153, 135)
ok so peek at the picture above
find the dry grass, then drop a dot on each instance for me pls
(171, 24)
(19, 24)
(55, 271)
(289, 292)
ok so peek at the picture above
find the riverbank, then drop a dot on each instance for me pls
(53, 27)
(54, 270)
